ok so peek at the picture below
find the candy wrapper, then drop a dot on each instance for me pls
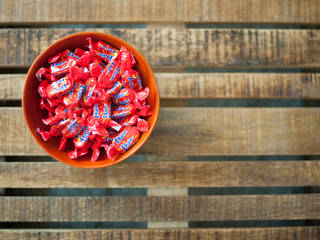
(58, 88)
(77, 73)
(102, 112)
(70, 131)
(124, 111)
(145, 111)
(81, 144)
(131, 79)
(127, 95)
(59, 69)
(74, 96)
(112, 91)
(103, 50)
(44, 105)
(123, 142)
(55, 130)
(62, 56)
(90, 95)
(97, 144)
(142, 125)
(129, 121)
(124, 96)
(79, 52)
(125, 58)
(95, 70)
(101, 119)
(42, 88)
(43, 73)
(110, 75)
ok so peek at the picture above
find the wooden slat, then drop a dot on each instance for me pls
(202, 131)
(236, 85)
(210, 85)
(184, 208)
(162, 174)
(171, 48)
(217, 11)
(279, 233)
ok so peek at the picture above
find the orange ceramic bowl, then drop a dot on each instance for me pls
(31, 99)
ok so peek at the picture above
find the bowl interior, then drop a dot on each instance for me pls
(31, 99)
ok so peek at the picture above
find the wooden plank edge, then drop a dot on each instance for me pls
(280, 233)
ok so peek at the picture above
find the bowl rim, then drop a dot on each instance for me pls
(137, 146)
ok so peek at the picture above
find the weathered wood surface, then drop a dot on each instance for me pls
(280, 233)
(209, 85)
(202, 131)
(172, 48)
(200, 11)
(162, 174)
(184, 208)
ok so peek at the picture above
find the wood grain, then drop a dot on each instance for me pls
(184, 208)
(209, 85)
(202, 131)
(216, 11)
(172, 48)
(280, 233)
(162, 174)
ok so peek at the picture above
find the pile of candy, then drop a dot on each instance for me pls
(95, 98)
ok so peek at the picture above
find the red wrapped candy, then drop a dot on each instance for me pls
(89, 97)
(79, 52)
(55, 130)
(59, 69)
(131, 79)
(96, 127)
(77, 73)
(125, 58)
(140, 99)
(53, 119)
(67, 53)
(58, 88)
(70, 131)
(102, 111)
(124, 111)
(74, 96)
(124, 96)
(101, 118)
(129, 121)
(44, 105)
(116, 87)
(123, 142)
(61, 110)
(62, 56)
(145, 111)
(110, 75)
(95, 70)
(42, 88)
(142, 125)
(108, 139)
(97, 144)
(81, 143)
(43, 73)
(102, 50)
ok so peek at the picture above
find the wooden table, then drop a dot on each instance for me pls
(258, 160)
